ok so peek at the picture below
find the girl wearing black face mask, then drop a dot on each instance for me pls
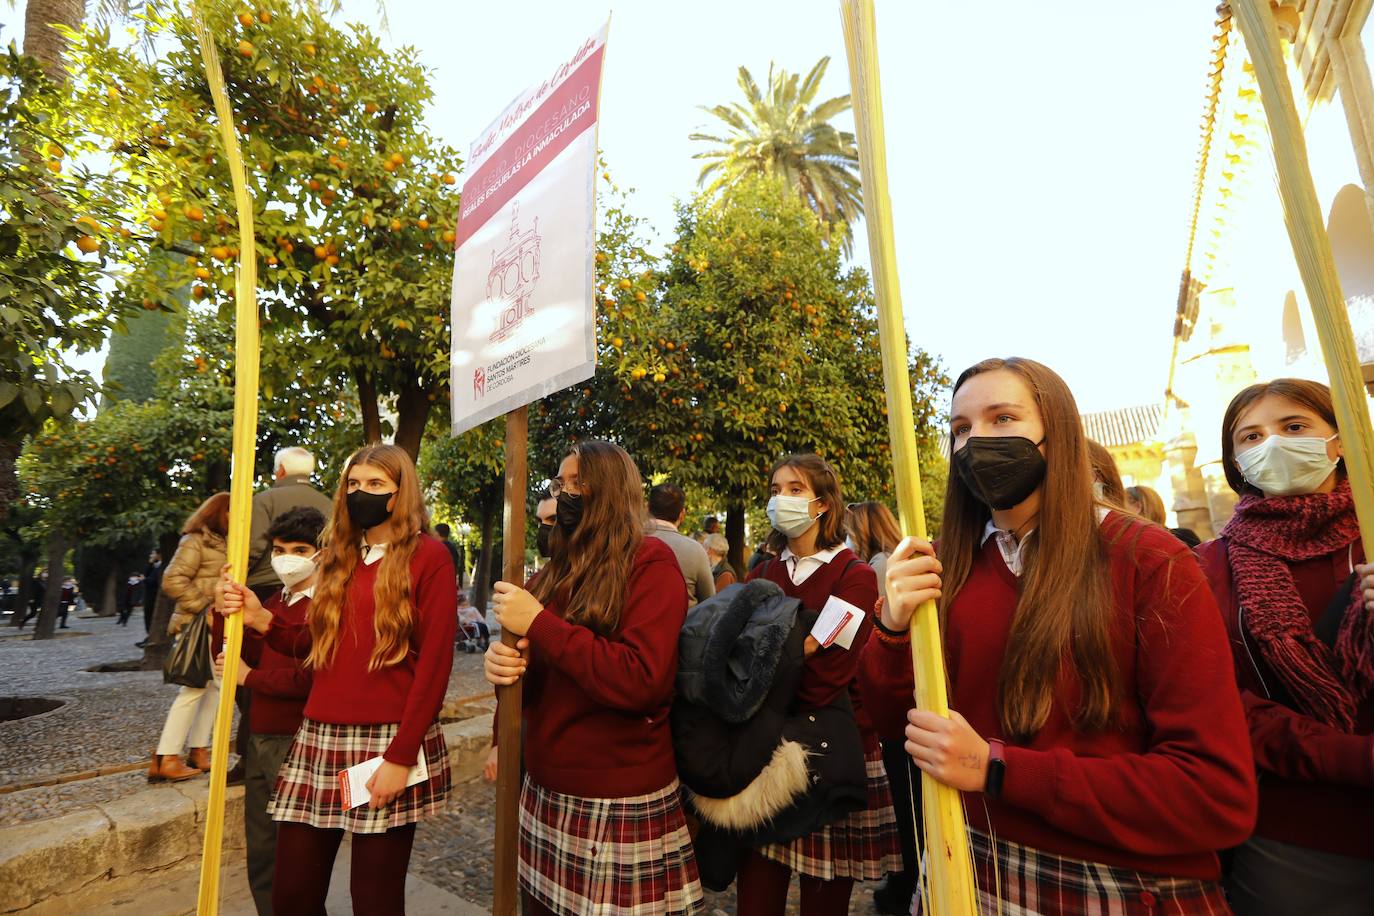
(601, 823)
(379, 638)
(1092, 696)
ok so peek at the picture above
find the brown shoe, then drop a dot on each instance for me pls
(199, 758)
(170, 768)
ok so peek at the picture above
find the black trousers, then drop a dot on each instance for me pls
(262, 761)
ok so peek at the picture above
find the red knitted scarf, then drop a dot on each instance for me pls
(1263, 537)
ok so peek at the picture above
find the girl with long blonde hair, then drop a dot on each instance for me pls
(379, 640)
(1095, 726)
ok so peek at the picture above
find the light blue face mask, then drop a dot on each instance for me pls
(792, 514)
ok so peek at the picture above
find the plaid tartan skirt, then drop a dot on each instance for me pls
(863, 845)
(307, 790)
(607, 856)
(1031, 882)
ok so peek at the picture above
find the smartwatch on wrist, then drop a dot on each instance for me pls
(997, 768)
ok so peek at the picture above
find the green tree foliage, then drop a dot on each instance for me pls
(780, 132)
(354, 201)
(49, 262)
(129, 371)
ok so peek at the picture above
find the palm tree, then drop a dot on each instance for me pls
(782, 134)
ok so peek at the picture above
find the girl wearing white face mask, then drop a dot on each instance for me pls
(1283, 573)
(813, 564)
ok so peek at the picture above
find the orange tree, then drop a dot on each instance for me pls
(50, 303)
(750, 342)
(354, 201)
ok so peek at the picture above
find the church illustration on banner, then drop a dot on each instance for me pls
(513, 275)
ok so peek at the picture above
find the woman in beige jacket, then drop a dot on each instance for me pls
(190, 581)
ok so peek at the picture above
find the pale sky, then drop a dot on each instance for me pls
(1041, 156)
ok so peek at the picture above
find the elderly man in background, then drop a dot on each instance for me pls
(667, 508)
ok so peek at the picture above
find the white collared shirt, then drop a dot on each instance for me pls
(372, 553)
(799, 569)
(289, 597)
(1008, 546)
(1012, 550)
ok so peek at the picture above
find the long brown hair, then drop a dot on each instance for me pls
(825, 483)
(590, 568)
(211, 518)
(1104, 469)
(872, 528)
(395, 615)
(1150, 502)
(1315, 396)
(1065, 610)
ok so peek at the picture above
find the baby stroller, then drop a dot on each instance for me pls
(473, 634)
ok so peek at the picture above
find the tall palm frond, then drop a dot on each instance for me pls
(783, 132)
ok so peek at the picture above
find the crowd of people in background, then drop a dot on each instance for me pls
(1140, 722)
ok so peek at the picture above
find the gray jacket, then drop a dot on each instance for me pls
(691, 559)
(291, 491)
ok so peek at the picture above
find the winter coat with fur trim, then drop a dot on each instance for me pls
(758, 768)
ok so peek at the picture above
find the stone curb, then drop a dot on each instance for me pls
(153, 830)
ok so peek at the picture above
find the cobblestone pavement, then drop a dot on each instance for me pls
(109, 718)
(453, 851)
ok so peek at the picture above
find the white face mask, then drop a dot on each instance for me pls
(791, 514)
(293, 569)
(1287, 465)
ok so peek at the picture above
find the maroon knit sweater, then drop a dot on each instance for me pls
(1316, 782)
(829, 671)
(410, 692)
(596, 707)
(1162, 792)
(279, 682)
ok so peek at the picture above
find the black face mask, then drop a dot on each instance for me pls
(541, 540)
(1000, 470)
(368, 510)
(569, 511)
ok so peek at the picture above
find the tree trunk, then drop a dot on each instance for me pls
(109, 599)
(9, 480)
(47, 614)
(412, 411)
(42, 41)
(734, 533)
(159, 642)
(481, 574)
(367, 404)
(21, 597)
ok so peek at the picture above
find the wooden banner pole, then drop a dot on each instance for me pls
(1312, 249)
(506, 891)
(948, 886)
(244, 447)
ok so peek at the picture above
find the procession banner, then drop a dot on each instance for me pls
(524, 319)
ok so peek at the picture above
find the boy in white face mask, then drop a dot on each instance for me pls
(280, 685)
(1283, 572)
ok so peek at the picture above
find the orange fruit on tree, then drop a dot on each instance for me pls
(245, 19)
(199, 292)
(220, 253)
(246, 48)
(54, 166)
(450, 236)
(450, 178)
(202, 273)
(87, 244)
(332, 260)
(195, 214)
(309, 49)
(396, 225)
(422, 223)
(272, 260)
(321, 252)
(160, 215)
(341, 143)
(370, 108)
(264, 17)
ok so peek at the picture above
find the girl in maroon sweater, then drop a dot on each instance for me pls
(1283, 573)
(1095, 725)
(378, 638)
(813, 564)
(601, 823)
